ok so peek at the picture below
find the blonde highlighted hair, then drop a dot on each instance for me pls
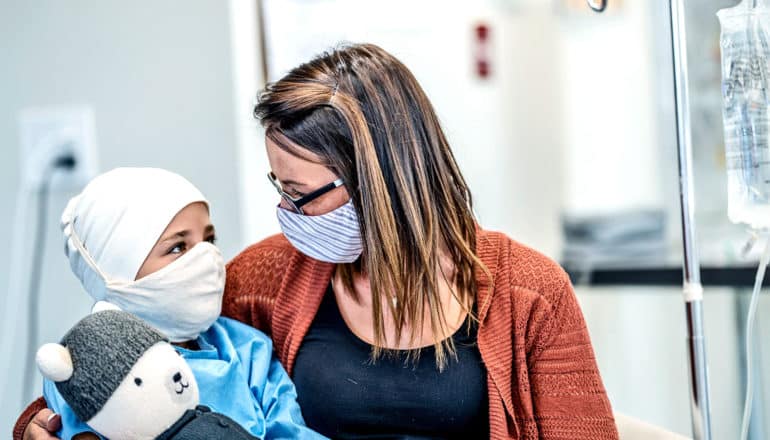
(363, 113)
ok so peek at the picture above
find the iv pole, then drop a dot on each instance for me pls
(692, 289)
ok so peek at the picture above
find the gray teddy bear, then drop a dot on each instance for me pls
(124, 379)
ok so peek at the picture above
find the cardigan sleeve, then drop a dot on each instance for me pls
(254, 279)
(26, 417)
(569, 399)
(238, 300)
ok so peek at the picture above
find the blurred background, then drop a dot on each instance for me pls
(561, 119)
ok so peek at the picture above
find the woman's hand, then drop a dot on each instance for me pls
(43, 426)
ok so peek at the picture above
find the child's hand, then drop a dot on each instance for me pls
(43, 426)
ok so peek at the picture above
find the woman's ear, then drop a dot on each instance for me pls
(54, 362)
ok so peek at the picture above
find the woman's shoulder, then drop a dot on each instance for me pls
(273, 250)
(261, 263)
(254, 279)
(525, 267)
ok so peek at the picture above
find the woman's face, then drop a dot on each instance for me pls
(189, 227)
(300, 177)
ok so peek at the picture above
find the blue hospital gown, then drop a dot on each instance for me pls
(237, 376)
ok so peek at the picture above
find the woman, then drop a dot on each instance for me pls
(393, 311)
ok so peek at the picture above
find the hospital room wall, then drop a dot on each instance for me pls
(576, 120)
(620, 148)
(639, 333)
(159, 80)
(607, 81)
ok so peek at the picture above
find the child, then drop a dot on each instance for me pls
(141, 239)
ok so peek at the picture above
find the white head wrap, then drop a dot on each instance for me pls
(119, 217)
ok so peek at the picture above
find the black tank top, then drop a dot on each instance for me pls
(344, 395)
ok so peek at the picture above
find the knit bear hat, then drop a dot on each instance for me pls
(94, 357)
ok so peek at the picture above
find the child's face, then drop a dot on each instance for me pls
(189, 227)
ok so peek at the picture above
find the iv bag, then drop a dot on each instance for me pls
(746, 111)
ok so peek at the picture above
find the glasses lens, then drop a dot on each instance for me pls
(286, 201)
(291, 206)
(274, 182)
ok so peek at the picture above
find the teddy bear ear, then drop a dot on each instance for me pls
(54, 362)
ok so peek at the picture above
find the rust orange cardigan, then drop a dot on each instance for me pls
(543, 381)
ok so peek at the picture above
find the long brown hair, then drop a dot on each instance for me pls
(363, 112)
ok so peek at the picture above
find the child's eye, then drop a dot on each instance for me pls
(177, 248)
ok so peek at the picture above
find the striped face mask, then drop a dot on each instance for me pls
(333, 237)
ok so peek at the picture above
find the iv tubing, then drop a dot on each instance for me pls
(749, 339)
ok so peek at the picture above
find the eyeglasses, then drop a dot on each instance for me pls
(297, 203)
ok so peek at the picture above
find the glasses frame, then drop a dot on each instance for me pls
(297, 203)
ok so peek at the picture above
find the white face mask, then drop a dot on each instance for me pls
(334, 237)
(181, 300)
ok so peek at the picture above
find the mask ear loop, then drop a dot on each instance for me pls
(84, 252)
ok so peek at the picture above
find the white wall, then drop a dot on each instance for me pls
(501, 129)
(609, 120)
(639, 336)
(158, 75)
